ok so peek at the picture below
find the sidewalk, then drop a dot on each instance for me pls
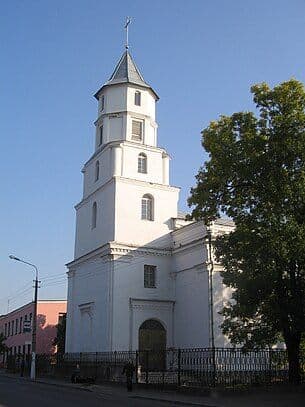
(120, 392)
(278, 396)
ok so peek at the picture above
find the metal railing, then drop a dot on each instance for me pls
(201, 368)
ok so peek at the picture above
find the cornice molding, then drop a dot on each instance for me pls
(151, 184)
(88, 197)
(122, 143)
(157, 304)
(107, 252)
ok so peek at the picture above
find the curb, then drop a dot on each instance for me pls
(41, 381)
(172, 402)
(66, 385)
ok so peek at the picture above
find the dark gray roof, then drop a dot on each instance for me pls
(126, 71)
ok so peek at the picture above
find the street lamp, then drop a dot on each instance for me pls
(34, 325)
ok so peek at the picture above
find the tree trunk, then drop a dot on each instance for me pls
(293, 350)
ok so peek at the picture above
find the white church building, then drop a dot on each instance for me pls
(140, 274)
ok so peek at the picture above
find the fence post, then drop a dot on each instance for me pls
(96, 366)
(137, 366)
(270, 365)
(179, 367)
(146, 363)
(214, 367)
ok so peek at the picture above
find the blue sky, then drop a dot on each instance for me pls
(200, 56)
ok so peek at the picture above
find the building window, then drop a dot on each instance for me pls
(12, 327)
(100, 141)
(137, 98)
(102, 103)
(94, 215)
(147, 207)
(137, 130)
(97, 170)
(20, 327)
(5, 330)
(9, 329)
(142, 163)
(16, 326)
(149, 276)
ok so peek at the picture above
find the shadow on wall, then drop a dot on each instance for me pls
(45, 335)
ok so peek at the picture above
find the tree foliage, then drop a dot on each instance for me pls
(60, 338)
(256, 176)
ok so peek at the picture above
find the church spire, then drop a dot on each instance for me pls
(126, 71)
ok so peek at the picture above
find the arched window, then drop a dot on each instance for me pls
(94, 215)
(137, 98)
(142, 163)
(147, 207)
(97, 170)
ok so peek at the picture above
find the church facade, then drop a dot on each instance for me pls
(140, 274)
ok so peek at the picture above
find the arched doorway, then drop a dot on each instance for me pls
(152, 345)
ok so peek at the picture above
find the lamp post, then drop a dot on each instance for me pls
(34, 323)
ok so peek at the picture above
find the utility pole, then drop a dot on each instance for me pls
(34, 329)
(211, 304)
(211, 299)
(34, 321)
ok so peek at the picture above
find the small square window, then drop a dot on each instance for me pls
(149, 276)
(137, 130)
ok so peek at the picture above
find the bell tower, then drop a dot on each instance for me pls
(127, 197)
(126, 107)
(123, 222)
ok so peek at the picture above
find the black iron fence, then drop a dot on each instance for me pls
(204, 367)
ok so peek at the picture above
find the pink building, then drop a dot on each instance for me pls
(16, 326)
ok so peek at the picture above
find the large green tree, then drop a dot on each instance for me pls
(255, 175)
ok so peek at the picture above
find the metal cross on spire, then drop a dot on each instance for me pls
(128, 21)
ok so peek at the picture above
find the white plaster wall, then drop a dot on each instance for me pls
(154, 163)
(89, 285)
(120, 110)
(148, 101)
(128, 283)
(105, 159)
(221, 294)
(149, 129)
(88, 239)
(115, 99)
(191, 309)
(129, 227)
(70, 323)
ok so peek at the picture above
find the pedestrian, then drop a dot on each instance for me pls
(128, 370)
(75, 378)
(22, 367)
